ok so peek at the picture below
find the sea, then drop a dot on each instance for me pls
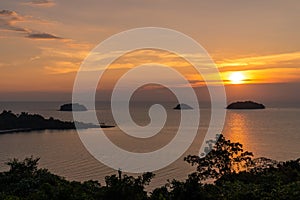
(273, 133)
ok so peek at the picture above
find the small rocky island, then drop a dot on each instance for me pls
(72, 107)
(10, 123)
(245, 105)
(182, 106)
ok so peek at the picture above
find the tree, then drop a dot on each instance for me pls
(127, 187)
(28, 166)
(225, 157)
(24, 181)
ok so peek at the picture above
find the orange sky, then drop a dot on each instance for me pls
(43, 42)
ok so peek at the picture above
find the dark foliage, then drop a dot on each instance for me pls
(72, 107)
(245, 105)
(225, 157)
(26, 122)
(25, 181)
(127, 187)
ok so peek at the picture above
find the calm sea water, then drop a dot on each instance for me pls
(272, 133)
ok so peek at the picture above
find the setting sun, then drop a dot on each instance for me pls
(236, 78)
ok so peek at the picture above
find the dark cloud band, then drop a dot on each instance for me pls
(42, 36)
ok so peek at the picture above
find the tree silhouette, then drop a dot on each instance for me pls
(225, 157)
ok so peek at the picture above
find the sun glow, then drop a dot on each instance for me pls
(237, 78)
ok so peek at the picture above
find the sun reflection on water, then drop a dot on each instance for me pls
(236, 128)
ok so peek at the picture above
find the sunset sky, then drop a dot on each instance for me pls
(43, 42)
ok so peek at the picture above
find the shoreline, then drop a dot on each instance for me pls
(16, 130)
(24, 122)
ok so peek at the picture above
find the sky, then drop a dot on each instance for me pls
(44, 42)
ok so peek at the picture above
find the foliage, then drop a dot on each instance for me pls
(280, 182)
(24, 181)
(225, 157)
(127, 187)
(26, 121)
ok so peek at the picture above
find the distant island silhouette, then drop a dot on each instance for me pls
(182, 106)
(72, 107)
(245, 105)
(10, 122)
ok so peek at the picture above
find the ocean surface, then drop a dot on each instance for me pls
(273, 133)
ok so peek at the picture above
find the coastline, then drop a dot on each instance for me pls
(25, 122)
(16, 130)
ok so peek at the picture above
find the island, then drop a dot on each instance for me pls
(11, 123)
(72, 107)
(245, 105)
(182, 106)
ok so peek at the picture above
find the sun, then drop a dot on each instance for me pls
(236, 78)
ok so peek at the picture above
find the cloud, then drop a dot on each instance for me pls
(282, 67)
(34, 58)
(8, 19)
(70, 51)
(63, 58)
(63, 67)
(7, 12)
(43, 36)
(284, 60)
(40, 3)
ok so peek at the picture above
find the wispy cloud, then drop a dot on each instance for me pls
(34, 58)
(40, 3)
(63, 67)
(270, 68)
(9, 20)
(42, 36)
(146, 56)
(64, 59)
(284, 60)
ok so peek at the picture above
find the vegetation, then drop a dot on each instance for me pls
(245, 105)
(25, 122)
(225, 158)
(72, 107)
(232, 174)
